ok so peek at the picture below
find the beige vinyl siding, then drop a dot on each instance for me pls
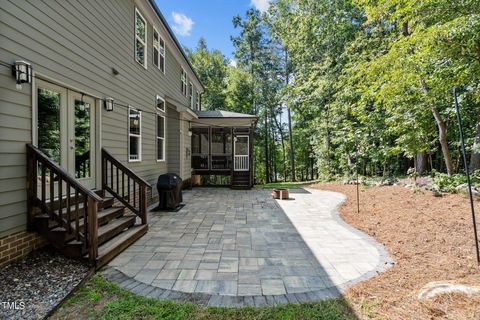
(77, 43)
(173, 140)
(15, 132)
(186, 152)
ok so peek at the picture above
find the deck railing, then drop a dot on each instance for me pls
(241, 163)
(123, 184)
(64, 208)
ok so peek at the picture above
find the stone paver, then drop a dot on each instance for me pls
(239, 248)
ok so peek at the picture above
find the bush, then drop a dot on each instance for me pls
(444, 183)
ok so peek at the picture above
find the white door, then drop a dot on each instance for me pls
(241, 153)
(66, 129)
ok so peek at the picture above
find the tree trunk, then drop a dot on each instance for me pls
(475, 157)
(311, 168)
(290, 134)
(442, 137)
(421, 162)
(282, 137)
(267, 172)
(273, 147)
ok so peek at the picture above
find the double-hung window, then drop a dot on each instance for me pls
(198, 101)
(134, 135)
(190, 94)
(140, 39)
(183, 83)
(158, 51)
(160, 132)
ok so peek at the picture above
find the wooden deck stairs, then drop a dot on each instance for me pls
(241, 180)
(93, 224)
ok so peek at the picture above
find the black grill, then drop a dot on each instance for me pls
(169, 186)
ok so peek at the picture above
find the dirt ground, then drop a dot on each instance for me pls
(430, 239)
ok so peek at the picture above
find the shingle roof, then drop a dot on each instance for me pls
(222, 114)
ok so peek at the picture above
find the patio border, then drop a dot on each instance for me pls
(385, 260)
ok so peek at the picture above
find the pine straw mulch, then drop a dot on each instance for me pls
(430, 238)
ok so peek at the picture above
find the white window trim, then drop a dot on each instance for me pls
(197, 101)
(158, 137)
(164, 103)
(190, 93)
(160, 54)
(158, 48)
(143, 41)
(139, 136)
(184, 82)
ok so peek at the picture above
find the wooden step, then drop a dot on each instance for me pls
(107, 203)
(114, 227)
(113, 247)
(73, 249)
(104, 216)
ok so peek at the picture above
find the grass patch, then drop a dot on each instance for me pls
(286, 185)
(101, 299)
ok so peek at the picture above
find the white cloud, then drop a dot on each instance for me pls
(261, 5)
(232, 63)
(182, 24)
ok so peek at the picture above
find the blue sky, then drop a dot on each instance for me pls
(211, 19)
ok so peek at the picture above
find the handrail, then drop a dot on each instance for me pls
(124, 168)
(69, 178)
(114, 182)
(65, 210)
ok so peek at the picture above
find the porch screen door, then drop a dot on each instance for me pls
(241, 153)
(65, 130)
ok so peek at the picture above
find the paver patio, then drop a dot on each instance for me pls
(236, 248)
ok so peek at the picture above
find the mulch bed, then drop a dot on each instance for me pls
(430, 238)
(35, 285)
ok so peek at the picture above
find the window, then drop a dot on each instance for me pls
(190, 94)
(162, 55)
(221, 141)
(200, 141)
(140, 39)
(156, 48)
(158, 51)
(134, 135)
(198, 101)
(160, 103)
(183, 87)
(160, 137)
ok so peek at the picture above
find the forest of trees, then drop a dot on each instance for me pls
(326, 76)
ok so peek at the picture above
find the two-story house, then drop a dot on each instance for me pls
(97, 98)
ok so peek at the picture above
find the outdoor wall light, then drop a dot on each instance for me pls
(189, 133)
(108, 103)
(22, 71)
(136, 120)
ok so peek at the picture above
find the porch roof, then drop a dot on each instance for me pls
(222, 114)
(225, 118)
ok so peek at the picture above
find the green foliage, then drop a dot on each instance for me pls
(211, 67)
(49, 123)
(370, 85)
(445, 183)
(111, 302)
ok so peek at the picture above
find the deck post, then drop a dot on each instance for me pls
(92, 229)
(31, 187)
(143, 204)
